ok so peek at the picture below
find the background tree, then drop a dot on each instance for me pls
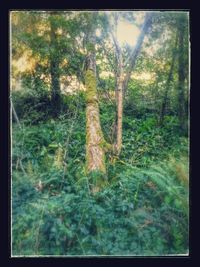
(168, 82)
(52, 47)
(182, 61)
(55, 59)
(123, 77)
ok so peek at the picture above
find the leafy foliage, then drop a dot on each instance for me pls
(143, 209)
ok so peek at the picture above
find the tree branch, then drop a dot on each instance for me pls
(136, 50)
(114, 38)
(15, 114)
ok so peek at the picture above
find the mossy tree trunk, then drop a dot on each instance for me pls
(95, 143)
(95, 152)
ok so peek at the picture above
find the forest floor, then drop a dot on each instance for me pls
(141, 210)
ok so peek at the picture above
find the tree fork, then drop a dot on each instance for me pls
(122, 80)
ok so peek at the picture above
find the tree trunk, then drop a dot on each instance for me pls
(95, 144)
(136, 50)
(164, 103)
(95, 154)
(119, 96)
(54, 69)
(122, 82)
(181, 78)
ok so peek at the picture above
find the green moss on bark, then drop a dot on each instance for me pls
(106, 146)
(91, 91)
(96, 146)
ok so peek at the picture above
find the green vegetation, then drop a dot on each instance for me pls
(143, 210)
(142, 207)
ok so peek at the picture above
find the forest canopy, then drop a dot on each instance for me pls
(100, 132)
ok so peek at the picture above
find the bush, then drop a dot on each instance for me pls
(32, 107)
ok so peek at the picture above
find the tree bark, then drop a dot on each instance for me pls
(119, 96)
(123, 79)
(95, 144)
(95, 153)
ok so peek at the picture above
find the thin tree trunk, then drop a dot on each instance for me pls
(164, 103)
(136, 51)
(54, 69)
(19, 124)
(122, 82)
(119, 97)
(181, 78)
(15, 114)
(169, 80)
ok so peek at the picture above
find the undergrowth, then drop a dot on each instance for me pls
(142, 210)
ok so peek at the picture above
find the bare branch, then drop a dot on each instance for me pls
(15, 114)
(136, 50)
(114, 38)
(22, 167)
